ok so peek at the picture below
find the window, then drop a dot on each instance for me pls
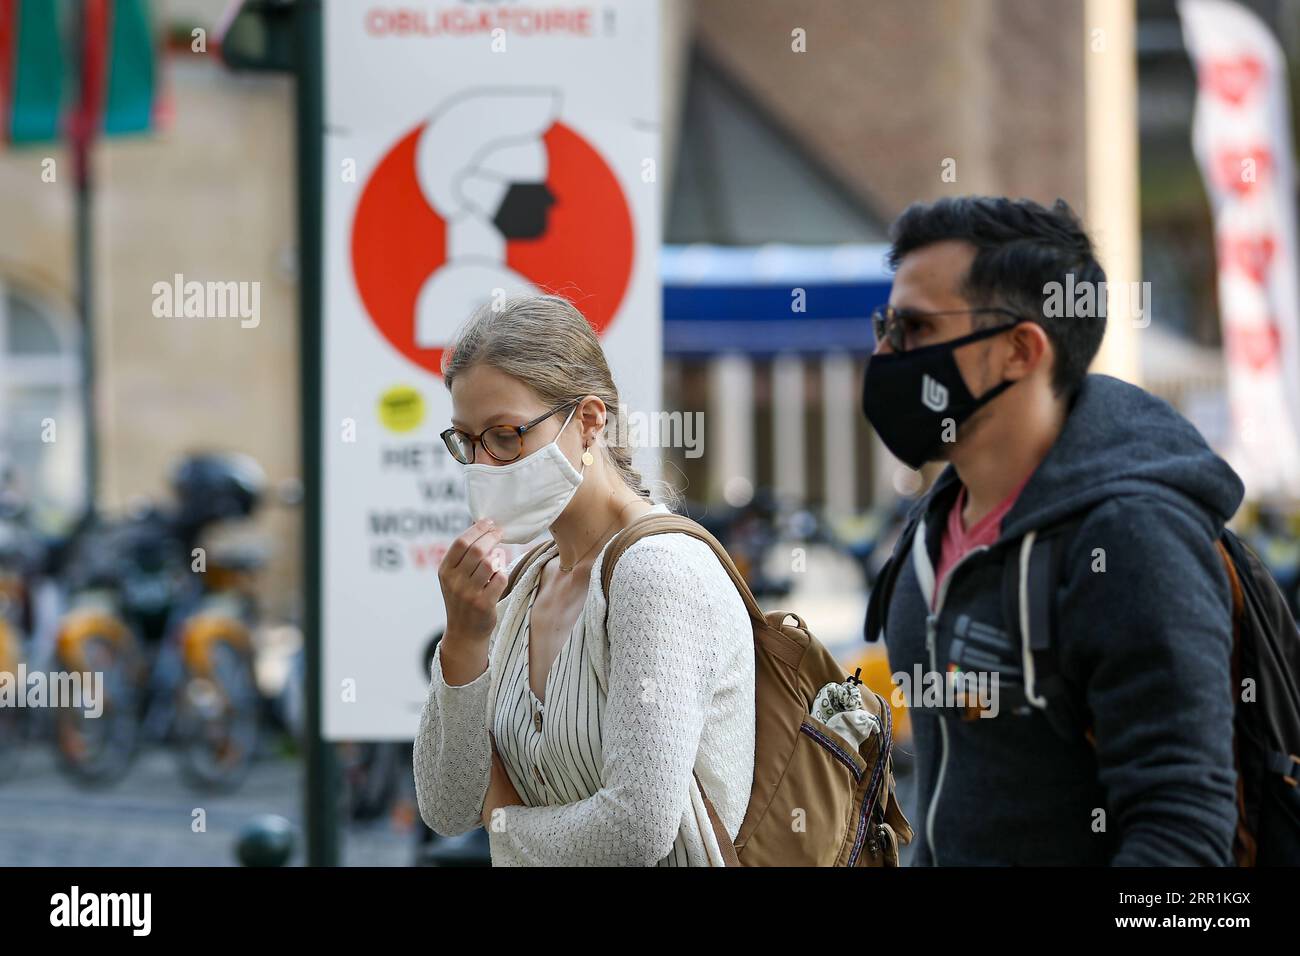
(41, 416)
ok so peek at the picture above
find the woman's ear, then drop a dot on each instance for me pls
(591, 419)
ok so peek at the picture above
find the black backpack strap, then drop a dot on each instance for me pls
(878, 600)
(1030, 575)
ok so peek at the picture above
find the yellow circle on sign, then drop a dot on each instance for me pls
(401, 408)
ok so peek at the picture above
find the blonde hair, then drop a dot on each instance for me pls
(546, 343)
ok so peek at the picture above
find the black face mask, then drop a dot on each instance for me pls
(911, 397)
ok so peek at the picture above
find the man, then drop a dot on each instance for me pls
(1115, 747)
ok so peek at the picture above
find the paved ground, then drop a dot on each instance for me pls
(145, 820)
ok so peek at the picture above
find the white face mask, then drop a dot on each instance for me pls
(525, 496)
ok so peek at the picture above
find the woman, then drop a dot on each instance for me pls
(573, 735)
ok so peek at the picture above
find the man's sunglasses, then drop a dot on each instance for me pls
(504, 443)
(892, 325)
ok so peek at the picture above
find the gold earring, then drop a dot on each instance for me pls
(587, 458)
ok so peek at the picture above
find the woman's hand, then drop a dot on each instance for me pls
(473, 578)
(501, 792)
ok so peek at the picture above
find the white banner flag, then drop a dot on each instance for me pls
(471, 150)
(1242, 138)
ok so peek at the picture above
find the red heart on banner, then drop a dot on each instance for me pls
(1251, 254)
(1257, 346)
(1232, 79)
(1241, 170)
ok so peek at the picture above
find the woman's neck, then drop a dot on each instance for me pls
(578, 531)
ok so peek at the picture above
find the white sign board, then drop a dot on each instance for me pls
(469, 146)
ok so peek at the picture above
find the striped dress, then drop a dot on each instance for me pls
(553, 755)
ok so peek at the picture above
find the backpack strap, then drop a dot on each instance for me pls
(878, 601)
(522, 565)
(674, 524)
(725, 844)
(1245, 847)
(1234, 582)
(1030, 575)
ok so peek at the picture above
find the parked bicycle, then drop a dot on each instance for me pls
(23, 559)
(169, 628)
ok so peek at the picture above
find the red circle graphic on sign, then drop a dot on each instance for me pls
(399, 242)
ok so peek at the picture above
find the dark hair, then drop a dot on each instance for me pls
(1021, 247)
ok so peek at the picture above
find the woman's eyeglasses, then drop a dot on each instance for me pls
(896, 326)
(504, 443)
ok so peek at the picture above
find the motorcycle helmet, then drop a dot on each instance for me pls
(217, 486)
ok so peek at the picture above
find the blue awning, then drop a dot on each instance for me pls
(771, 299)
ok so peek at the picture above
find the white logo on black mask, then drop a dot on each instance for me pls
(933, 395)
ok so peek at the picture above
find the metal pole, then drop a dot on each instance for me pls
(321, 791)
(86, 308)
(81, 142)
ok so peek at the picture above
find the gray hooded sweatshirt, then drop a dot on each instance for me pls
(1143, 639)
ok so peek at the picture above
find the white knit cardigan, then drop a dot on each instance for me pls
(677, 625)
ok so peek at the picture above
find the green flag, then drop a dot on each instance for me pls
(36, 71)
(56, 55)
(129, 105)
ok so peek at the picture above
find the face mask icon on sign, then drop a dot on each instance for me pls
(482, 166)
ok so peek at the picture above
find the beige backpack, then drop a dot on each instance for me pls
(816, 800)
